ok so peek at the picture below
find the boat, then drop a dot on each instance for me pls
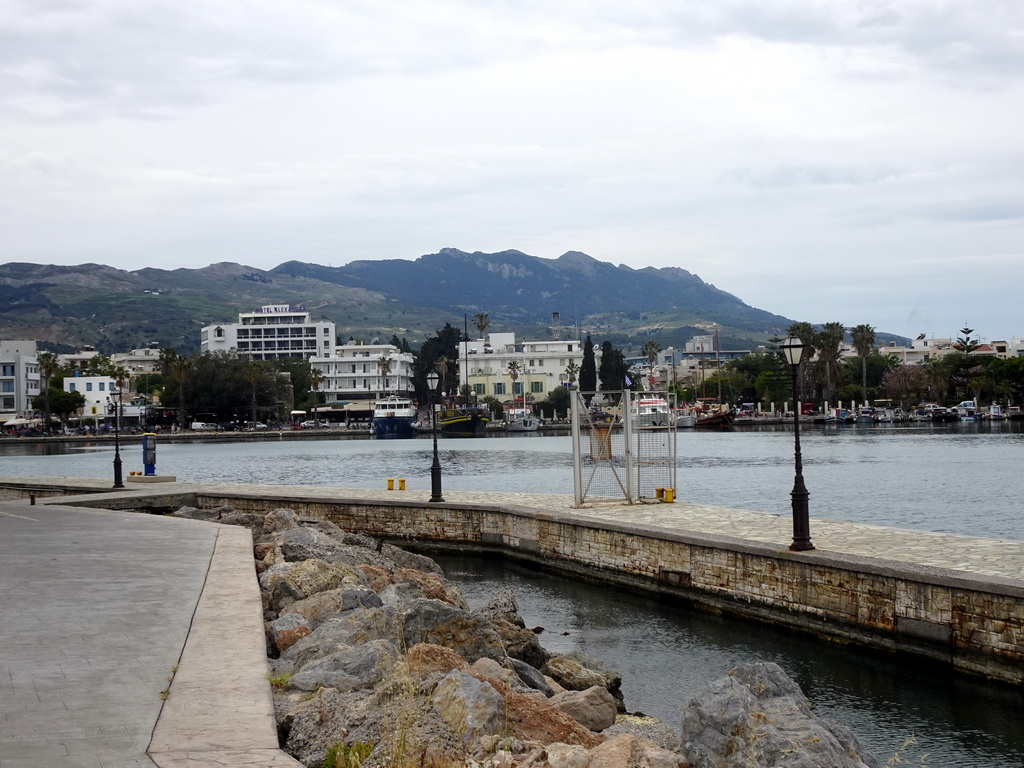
(457, 418)
(685, 418)
(519, 417)
(840, 416)
(966, 410)
(394, 417)
(714, 415)
(650, 411)
(866, 415)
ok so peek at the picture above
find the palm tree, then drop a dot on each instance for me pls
(828, 344)
(442, 371)
(179, 369)
(514, 368)
(863, 336)
(572, 370)
(49, 366)
(807, 335)
(651, 348)
(481, 322)
(316, 378)
(384, 368)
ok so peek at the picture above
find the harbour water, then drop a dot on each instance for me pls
(961, 479)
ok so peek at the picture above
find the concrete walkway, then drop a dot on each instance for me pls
(100, 610)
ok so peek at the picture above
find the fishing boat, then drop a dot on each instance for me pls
(840, 416)
(394, 417)
(685, 418)
(866, 415)
(519, 417)
(650, 410)
(457, 418)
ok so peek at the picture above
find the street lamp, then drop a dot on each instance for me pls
(435, 468)
(793, 349)
(115, 401)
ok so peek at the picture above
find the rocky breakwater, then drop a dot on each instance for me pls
(377, 661)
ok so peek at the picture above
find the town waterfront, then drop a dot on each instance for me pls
(961, 479)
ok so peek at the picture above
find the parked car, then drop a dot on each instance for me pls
(252, 426)
(206, 426)
(313, 424)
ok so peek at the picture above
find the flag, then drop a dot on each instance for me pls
(629, 382)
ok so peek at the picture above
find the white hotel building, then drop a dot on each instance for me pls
(484, 365)
(271, 332)
(356, 372)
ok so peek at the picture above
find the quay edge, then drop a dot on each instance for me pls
(973, 622)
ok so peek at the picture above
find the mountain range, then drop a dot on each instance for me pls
(115, 309)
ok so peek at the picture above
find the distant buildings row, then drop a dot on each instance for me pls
(498, 366)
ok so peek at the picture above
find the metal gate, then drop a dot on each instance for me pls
(624, 447)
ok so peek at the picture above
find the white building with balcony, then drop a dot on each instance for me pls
(271, 332)
(19, 379)
(364, 372)
(538, 366)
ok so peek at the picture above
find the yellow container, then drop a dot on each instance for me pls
(401, 483)
(670, 495)
(391, 483)
(659, 492)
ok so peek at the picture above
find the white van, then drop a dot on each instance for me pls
(205, 426)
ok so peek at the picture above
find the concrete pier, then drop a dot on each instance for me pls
(953, 598)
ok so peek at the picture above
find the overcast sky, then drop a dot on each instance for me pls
(827, 160)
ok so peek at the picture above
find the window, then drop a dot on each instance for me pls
(8, 370)
(88, 386)
(536, 386)
(103, 385)
(517, 388)
(218, 332)
(8, 386)
(8, 403)
(499, 388)
(479, 389)
(72, 387)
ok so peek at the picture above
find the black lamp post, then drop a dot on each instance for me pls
(115, 401)
(435, 468)
(793, 348)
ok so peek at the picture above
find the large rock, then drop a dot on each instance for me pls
(593, 708)
(287, 630)
(531, 677)
(317, 608)
(628, 751)
(351, 628)
(349, 668)
(286, 583)
(432, 621)
(757, 716)
(577, 672)
(470, 706)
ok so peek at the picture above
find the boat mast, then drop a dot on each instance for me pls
(718, 366)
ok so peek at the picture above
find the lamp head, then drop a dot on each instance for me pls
(793, 349)
(432, 379)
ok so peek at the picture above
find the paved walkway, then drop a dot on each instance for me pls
(97, 607)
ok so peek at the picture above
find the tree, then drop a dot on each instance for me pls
(559, 400)
(588, 371)
(828, 343)
(614, 368)
(445, 343)
(863, 338)
(49, 367)
(965, 343)
(481, 322)
(62, 404)
(901, 381)
(514, 369)
(807, 335)
(384, 364)
(651, 348)
(572, 370)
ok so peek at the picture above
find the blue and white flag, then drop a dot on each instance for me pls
(629, 382)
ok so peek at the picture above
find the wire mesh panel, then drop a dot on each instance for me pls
(600, 470)
(624, 447)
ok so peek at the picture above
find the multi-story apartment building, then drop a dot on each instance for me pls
(271, 332)
(538, 366)
(364, 372)
(19, 379)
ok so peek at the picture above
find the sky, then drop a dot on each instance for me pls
(826, 160)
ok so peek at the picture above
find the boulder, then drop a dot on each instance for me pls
(649, 728)
(534, 720)
(287, 630)
(567, 756)
(432, 585)
(349, 668)
(279, 520)
(350, 628)
(404, 559)
(503, 606)
(286, 583)
(194, 513)
(469, 706)
(576, 672)
(593, 708)
(628, 751)
(432, 621)
(531, 677)
(757, 716)
(317, 608)
(521, 643)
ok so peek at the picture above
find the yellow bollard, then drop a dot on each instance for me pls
(391, 483)
(660, 493)
(401, 483)
(670, 495)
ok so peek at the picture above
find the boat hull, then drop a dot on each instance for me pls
(394, 427)
(463, 426)
(523, 424)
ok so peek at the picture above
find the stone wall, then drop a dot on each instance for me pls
(973, 622)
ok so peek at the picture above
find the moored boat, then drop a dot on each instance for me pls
(394, 417)
(457, 418)
(520, 418)
(650, 411)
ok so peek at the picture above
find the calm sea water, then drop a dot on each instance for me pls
(963, 479)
